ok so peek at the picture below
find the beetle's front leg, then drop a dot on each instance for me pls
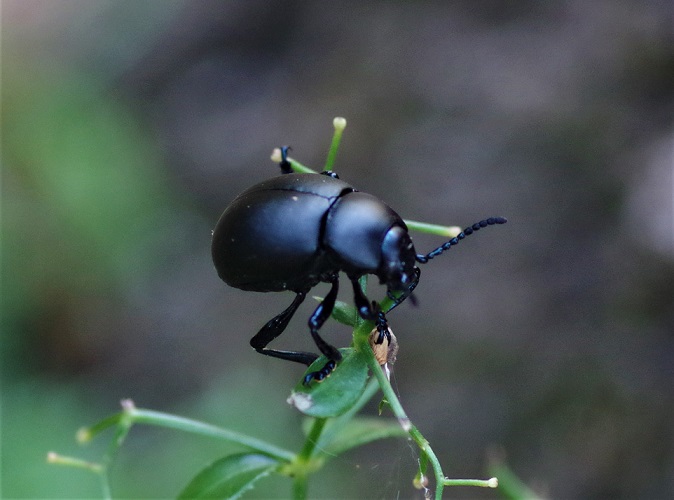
(362, 302)
(370, 311)
(316, 321)
(382, 326)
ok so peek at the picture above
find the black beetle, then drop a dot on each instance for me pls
(294, 231)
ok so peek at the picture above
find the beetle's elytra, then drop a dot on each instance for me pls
(294, 231)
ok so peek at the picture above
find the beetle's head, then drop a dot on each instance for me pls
(397, 269)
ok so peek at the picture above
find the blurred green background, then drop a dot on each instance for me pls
(127, 127)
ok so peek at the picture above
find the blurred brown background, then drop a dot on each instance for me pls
(127, 127)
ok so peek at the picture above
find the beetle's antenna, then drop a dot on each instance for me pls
(455, 241)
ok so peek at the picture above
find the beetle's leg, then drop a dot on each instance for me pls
(421, 258)
(274, 328)
(361, 301)
(381, 324)
(285, 164)
(320, 374)
(320, 315)
(371, 311)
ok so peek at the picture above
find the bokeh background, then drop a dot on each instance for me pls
(127, 127)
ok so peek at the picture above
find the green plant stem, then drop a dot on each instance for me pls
(196, 427)
(398, 410)
(361, 342)
(300, 486)
(132, 415)
(339, 124)
(436, 229)
(312, 439)
(302, 466)
(97, 468)
(299, 168)
(105, 485)
(510, 485)
(482, 483)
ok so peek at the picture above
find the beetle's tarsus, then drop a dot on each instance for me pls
(321, 374)
(382, 328)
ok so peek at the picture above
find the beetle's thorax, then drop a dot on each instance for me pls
(355, 230)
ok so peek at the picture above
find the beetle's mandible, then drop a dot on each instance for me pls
(294, 231)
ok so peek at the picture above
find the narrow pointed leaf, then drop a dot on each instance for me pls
(361, 431)
(230, 476)
(345, 313)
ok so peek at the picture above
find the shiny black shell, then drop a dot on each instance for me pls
(292, 231)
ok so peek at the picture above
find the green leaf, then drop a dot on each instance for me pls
(361, 431)
(345, 313)
(337, 393)
(337, 438)
(229, 477)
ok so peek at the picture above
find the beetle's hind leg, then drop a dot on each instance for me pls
(320, 316)
(274, 328)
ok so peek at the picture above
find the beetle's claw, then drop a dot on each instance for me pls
(321, 374)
